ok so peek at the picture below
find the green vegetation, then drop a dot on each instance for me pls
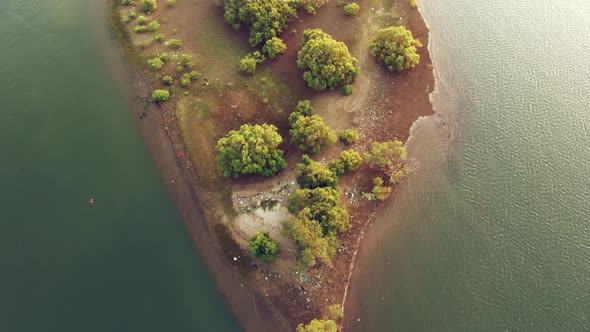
(248, 63)
(153, 26)
(335, 311)
(263, 247)
(347, 90)
(159, 37)
(161, 96)
(171, 3)
(318, 325)
(311, 6)
(155, 64)
(186, 60)
(311, 174)
(165, 57)
(309, 133)
(252, 149)
(349, 161)
(351, 9)
(140, 28)
(168, 80)
(326, 63)
(185, 80)
(349, 136)
(386, 155)
(174, 43)
(274, 47)
(380, 191)
(264, 18)
(142, 20)
(127, 2)
(149, 6)
(395, 48)
(413, 4)
(132, 14)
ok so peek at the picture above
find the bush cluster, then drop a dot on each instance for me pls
(252, 149)
(318, 325)
(149, 6)
(274, 47)
(161, 95)
(309, 133)
(349, 161)
(351, 9)
(248, 63)
(174, 43)
(155, 64)
(395, 48)
(263, 247)
(326, 63)
(349, 136)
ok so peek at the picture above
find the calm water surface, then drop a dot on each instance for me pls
(492, 232)
(125, 264)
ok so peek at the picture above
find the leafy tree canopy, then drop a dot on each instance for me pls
(310, 133)
(249, 62)
(326, 63)
(311, 174)
(351, 9)
(318, 325)
(322, 207)
(264, 18)
(274, 47)
(161, 95)
(395, 48)
(386, 154)
(252, 149)
(349, 161)
(349, 136)
(308, 234)
(263, 247)
(149, 6)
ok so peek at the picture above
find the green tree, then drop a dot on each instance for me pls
(142, 20)
(347, 90)
(311, 174)
(149, 6)
(274, 47)
(351, 9)
(153, 26)
(249, 62)
(349, 161)
(171, 3)
(380, 191)
(322, 206)
(174, 43)
(395, 48)
(264, 18)
(168, 80)
(386, 155)
(349, 136)
(263, 247)
(326, 63)
(252, 149)
(310, 133)
(335, 311)
(318, 325)
(311, 6)
(155, 64)
(161, 95)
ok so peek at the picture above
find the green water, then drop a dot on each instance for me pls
(125, 264)
(492, 231)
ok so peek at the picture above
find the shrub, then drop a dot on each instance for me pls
(335, 311)
(347, 90)
(168, 80)
(155, 64)
(159, 37)
(126, 2)
(274, 47)
(387, 154)
(161, 95)
(140, 28)
(264, 18)
(320, 204)
(186, 60)
(153, 26)
(326, 63)
(318, 325)
(149, 6)
(194, 75)
(185, 81)
(351, 9)
(349, 161)
(380, 191)
(142, 20)
(311, 174)
(263, 247)
(248, 63)
(165, 57)
(171, 3)
(310, 133)
(349, 136)
(179, 69)
(413, 4)
(395, 48)
(252, 149)
(313, 245)
(174, 43)
(132, 14)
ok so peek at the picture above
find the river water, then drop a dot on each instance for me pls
(492, 231)
(125, 264)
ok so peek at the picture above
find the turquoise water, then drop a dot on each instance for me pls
(492, 231)
(125, 264)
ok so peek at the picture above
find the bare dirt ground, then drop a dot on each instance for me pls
(383, 107)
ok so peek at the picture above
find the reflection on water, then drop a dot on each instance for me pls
(491, 231)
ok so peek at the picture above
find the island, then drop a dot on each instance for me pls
(287, 121)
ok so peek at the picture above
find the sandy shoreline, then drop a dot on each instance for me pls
(407, 99)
